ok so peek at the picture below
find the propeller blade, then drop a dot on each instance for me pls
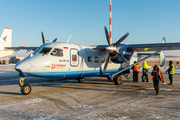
(121, 57)
(106, 64)
(54, 40)
(43, 40)
(107, 35)
(121, 39)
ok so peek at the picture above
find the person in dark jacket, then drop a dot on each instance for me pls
(157, 76)
(171, 71)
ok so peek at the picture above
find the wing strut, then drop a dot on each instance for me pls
(112, 76)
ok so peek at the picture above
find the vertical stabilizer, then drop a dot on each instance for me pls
(5, 41)
(162, 55)
(6, 38)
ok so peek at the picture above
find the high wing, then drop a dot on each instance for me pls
(145, 47)
(154, 46)
(19, 48)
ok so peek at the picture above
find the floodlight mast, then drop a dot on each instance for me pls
(110, 22)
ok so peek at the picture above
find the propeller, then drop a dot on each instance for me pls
(121, 39)
(43, 39)
(112, 50)
(107, 35)
(54, 40)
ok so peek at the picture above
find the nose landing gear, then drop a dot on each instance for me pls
(25, 89)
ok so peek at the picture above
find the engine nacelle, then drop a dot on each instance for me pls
(162, 55)
(124, 51)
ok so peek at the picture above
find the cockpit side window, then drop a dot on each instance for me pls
(35, 52)
(57, 52)
(45, 50)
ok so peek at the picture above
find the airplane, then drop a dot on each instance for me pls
(5, 41)
(67, 60)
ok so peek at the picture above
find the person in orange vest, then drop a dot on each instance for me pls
(157, 76)
(135, 69)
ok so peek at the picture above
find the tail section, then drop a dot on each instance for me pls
(5, 41)
(6, 38)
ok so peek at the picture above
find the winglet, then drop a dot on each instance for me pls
(164, 40)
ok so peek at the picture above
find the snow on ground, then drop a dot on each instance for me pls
(7, 73)
(99, 100)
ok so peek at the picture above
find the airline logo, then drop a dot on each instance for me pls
(58, 66)
(5, 38)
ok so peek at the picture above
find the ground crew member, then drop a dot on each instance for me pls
(157, 76)
(135, 69)
(171, 71)
(145, 71)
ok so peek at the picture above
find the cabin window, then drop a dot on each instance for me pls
(96, 59)
(74, 58)
(102, 59)
(45, 50)
(57, 52)
(89, 59)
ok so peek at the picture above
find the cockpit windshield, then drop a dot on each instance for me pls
(45, 50)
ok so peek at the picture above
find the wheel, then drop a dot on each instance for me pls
(80, 80)
(118, 80)
(26, 89)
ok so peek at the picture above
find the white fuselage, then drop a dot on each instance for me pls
(72, 61)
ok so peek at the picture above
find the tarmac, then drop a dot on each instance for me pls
(96, 98)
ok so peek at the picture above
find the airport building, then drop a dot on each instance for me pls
(10, 60)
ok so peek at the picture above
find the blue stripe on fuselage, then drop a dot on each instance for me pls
(75, 74)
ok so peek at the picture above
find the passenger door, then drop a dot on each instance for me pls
(74, 57)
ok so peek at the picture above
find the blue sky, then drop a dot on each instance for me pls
(147, 21)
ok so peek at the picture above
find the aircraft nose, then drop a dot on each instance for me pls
(22, 67)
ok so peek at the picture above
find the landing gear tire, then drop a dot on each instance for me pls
(118, 80)
(26, 89)
(80, 80)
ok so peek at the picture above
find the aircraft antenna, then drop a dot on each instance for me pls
(68, 38)
(110, 21)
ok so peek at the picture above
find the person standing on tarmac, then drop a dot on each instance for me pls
(145, 71)
(170, 71)
(135, 69)
(157, 76)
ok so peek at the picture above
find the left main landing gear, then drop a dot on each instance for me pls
(118, 80)
(25, 89)
(80, 80)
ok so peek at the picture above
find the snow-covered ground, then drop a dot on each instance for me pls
(96, 98)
